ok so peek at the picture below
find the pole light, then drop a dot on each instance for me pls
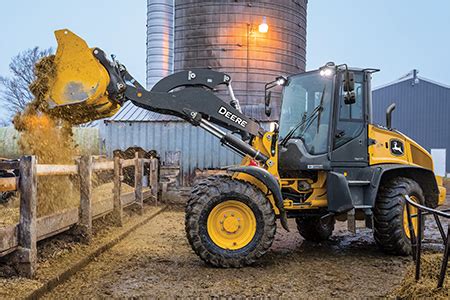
(263, 27)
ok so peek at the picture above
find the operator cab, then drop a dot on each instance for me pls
(323, 120)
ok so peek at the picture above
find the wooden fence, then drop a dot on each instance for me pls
(20, 239)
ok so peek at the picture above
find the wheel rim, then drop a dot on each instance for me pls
(231, 225)
(415, 222)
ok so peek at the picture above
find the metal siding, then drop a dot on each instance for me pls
(422, 112)
(199, 149)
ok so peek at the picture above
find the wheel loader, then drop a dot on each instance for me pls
(324, 161)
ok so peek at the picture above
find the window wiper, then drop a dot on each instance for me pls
(312, 116)
(320, 112)
(301, 123)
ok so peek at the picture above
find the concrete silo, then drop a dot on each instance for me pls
(225, 36)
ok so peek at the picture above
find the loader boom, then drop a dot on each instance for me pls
(197, 104)
(78, 89)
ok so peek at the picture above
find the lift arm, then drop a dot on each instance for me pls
(188, 95)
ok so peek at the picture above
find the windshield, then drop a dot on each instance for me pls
(307, 102)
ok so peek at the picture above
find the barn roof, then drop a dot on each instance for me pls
(410, 76)
(131, 113)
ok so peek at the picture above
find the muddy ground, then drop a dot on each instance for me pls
(157, 261)
(62, 252)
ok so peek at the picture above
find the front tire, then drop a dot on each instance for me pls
(229, 222)
(391, 230)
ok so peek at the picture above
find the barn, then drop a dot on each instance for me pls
(422, 106)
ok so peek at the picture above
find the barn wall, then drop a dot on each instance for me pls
(422, 112)
(198, 148)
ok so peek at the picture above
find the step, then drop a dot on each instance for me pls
(358, 182)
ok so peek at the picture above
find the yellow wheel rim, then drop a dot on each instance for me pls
(415, 222)
(231, 225)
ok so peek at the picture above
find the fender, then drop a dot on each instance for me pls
(272, 185)
(424, 177)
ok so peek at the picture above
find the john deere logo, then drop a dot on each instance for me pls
(397, 147)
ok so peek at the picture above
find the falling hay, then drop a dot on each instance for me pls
(50, 138)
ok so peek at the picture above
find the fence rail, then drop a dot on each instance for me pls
(416, 241)
(20, 239)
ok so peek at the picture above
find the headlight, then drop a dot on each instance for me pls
(328, 69)
(281, 81)
(327, 72)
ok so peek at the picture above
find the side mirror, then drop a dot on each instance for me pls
(349, 88)
(279, 81)
(389, 111)
(267, 99)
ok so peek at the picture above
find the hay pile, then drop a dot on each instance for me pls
(10, 215)
(426, 286)
(50, 138)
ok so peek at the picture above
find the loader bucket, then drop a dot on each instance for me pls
(78, 91)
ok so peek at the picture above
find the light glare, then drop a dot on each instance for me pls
(326, 72)
(263, 27)
(280, 81)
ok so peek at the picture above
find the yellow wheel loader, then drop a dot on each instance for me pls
(324, 161)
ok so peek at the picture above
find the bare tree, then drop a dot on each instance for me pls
(14, 92)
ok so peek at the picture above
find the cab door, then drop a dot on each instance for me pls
(349, 135)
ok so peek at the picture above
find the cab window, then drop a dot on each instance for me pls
(350, 122)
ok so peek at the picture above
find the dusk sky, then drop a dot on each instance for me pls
(395, 36)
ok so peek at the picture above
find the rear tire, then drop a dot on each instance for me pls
(389, 230)
(314, 229)
(217, 240)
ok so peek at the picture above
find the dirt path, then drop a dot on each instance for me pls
(157, 261)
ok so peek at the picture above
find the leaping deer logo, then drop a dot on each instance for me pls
(397, 147)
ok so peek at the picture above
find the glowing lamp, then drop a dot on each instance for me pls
(263, 27)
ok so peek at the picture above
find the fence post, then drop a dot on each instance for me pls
(118, 208)
(412, 233)
(153, 178)
(26, 255)
(85, 224)
(419, 243)
(138, 172)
